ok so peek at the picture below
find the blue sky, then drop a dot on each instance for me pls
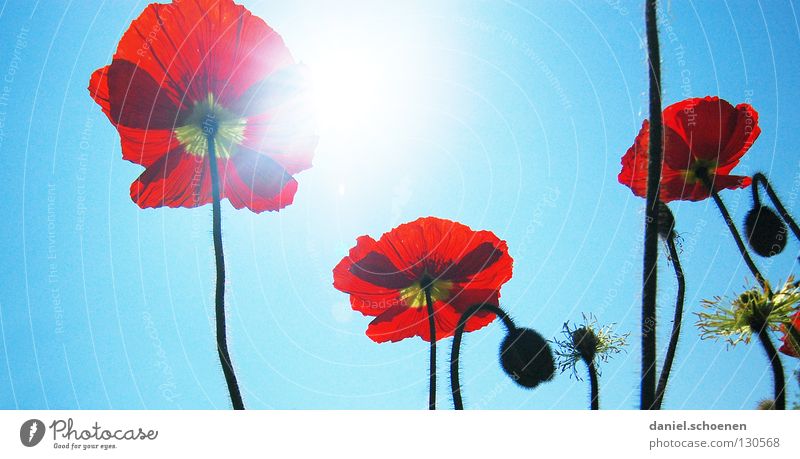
(506, 116)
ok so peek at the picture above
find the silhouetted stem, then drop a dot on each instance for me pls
(650, 283)
(760, 178)
(432, 325)
(219, 302)
(455, 385)
(594, 386)
(676, 323)
(777, 367)
(735, 233)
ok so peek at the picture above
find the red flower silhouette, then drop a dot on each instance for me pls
(791, 338)
(387, 278)
(701, 136)
(187, 67)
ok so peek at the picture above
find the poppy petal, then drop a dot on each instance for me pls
(255, 181)
(436, 246)
(634, 163)
(791, 337)
(365, 297)
(467, 297)
(284, 87)
(145, 146)
(677, 153)
(136, 100)
(280, 120)
(177, 179)
(488, 268)
(744, 134)
(201, 46)
(377, 269)
(479, 258)
(398, 323)
(98, 90)
(713, 129)
(138, 145)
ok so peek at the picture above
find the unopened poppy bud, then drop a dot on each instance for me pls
(765, 231)
(666, 221)
(526, 357)
(586, 343)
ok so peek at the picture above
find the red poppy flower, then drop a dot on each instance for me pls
(791, 338)
(701, 136)
(387, 278)
(180, 67)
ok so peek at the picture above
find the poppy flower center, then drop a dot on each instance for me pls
(700, 170)
(209, 119)
(414, 295)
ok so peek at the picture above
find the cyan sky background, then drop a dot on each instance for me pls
(506, 116)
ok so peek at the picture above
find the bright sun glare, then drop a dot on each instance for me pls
(350, 84)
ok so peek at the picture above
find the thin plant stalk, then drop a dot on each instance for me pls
(676, 323)
(734, 232)
(655, 153)
(455, 385)
(778, 377)
(219, 257)
(594, 386)
(761, 179)
(432, 370)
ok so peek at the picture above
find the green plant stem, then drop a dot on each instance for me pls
(650, 284)
(594, 386)
(676, 323)
(735, 233)
(432, 374)
(777, 367)
(455, 385)
(761, 179)
(219, 301)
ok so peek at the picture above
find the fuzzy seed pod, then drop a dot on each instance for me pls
(526, 357)
(765, 231)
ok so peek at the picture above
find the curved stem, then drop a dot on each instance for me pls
(219, 301)
(676, 323)
(760, 178)
(655, 153)
(455, 385)
(777, 367)
(432, 371)
(593, 385)
(735, 233)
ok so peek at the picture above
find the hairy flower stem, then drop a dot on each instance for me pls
(432, 325)
(594, 386)
(777, 366)
(649, 287)
(761, 179)
(219, 256)
(676, 323)
(455, 385)
(734, 232)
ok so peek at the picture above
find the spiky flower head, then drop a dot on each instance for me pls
(755, 308)
(587, 341)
